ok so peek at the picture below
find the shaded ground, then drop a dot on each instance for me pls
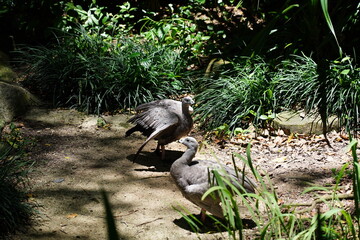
(75, 159)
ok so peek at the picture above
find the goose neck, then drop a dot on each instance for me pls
(189, 154)
(185, 108)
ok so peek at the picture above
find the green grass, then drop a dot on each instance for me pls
(96, 73)
(91, 74)
(253, 90)
(15, 212)
(243, 93)
(297, 86)
(275, 220)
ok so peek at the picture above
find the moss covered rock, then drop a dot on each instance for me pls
(14, 101)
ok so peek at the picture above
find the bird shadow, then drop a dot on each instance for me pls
(152, 162)
(212, 224)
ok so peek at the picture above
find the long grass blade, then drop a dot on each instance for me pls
(325, 9)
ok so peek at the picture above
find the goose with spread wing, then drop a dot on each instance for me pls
(192, 177)
(164, 120)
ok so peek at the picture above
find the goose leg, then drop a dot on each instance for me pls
(162, 152)
(157, 150)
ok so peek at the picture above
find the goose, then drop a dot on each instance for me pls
(164, 120)
(192, 178)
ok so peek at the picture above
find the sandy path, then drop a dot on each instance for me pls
(75, 159)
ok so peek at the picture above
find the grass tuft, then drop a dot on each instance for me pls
(297, 86)
(15, 212)
(244, 93)
(94, 75)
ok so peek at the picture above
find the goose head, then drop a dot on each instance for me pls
(187, 101)
(190, 143)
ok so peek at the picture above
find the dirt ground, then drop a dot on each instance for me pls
(75, 159)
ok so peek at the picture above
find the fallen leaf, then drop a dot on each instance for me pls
(72, 215)
(339, 139)
(290, 137)
(344, 136)
(280, 159)
(31, 200)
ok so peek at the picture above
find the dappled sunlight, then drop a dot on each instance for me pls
(73, 164)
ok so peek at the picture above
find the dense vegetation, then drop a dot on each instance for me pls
(92, 75)
(100, 56)
(110, 56)
(15, 211)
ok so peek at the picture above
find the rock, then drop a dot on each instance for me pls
(215, 66)
(6, 74)
(59, 180)
(299, 122)
(14, 101)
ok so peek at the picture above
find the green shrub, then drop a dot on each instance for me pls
(15, 212)
(254, 91)
(297, 86)
(244, 93)
(97, 19)
(91, 74)
(178, 30)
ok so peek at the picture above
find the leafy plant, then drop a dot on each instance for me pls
(356, 179)
(297, 86)
(240, 131)
(222, 131)
(97, 19)
(15, 212)
(296, 83)
(275, 220)
(177, 30)
(85, 72)
(243, 93)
